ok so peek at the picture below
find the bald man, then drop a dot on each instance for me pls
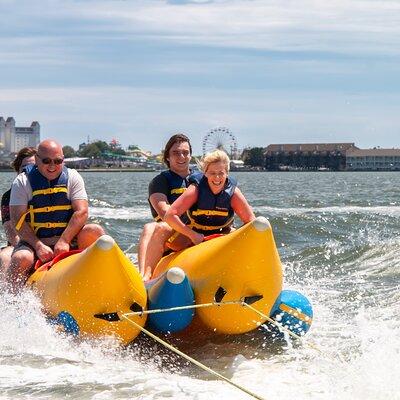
(49, 208)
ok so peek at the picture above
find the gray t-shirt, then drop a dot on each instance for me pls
(21, 190)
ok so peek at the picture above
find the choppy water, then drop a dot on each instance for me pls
(338, 237)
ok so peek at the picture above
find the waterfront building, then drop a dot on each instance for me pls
(14, 138)
(307, 156)
(373, 160)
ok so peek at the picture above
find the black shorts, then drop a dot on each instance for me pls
(23, 245)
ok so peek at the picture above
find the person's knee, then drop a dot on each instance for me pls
(150, 226)
(22, 258)
(89, 234)
(5, 256)
(20, 265)
(162, 232)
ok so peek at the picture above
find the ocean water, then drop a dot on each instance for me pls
(338, 238)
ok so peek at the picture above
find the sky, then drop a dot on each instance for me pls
(270, 71)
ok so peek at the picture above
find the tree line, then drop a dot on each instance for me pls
(96, 149)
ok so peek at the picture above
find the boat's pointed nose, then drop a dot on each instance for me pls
(261, 224)
(105, 242)
(176, 275)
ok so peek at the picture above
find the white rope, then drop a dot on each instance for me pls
(281, 327)
(192, 360)
(188, 307)
(226, 303)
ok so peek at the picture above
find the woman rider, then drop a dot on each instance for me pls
(210, 201)
(25, 157)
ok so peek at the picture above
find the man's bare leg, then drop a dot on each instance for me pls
(153, 252)
(21, 263)
(144, 240)
(5, 259)
(89, 234)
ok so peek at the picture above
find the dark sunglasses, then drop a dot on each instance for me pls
(47, 161)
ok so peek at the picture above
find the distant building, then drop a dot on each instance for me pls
(307, 156)
(138, 154)
(14, 138)
(236, 165)
(78, 162)
(373, 160)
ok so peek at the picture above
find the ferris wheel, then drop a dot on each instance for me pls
(220, 138)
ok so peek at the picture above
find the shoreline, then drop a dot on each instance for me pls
(115, 170)
(232, 170)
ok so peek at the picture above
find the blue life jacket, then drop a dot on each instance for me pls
(28, 168)
(49, 210)
(176, 186)
(212, 213)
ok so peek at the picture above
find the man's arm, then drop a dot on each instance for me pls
(26, 234)
(75, 224)
(158, 195)
(9, 230)
(160, 203)
(11, 233)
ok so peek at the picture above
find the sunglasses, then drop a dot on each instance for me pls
(47, 161)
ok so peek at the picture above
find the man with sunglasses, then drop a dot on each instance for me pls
(164, 189)
(49, 208)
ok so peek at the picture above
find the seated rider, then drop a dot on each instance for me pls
(49, 209)
(164, 189)
(24, 158)
(210, 201)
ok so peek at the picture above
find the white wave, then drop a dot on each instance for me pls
(143, 212)
(392, 211)
(381, 260)
(97, 202)
(123, 213)
(36, 362)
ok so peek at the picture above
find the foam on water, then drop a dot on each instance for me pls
(357, 358)
(124, 213)
(391, 211)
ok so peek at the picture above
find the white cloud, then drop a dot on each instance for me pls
(342, 26)
(312, 99)
(361, 26)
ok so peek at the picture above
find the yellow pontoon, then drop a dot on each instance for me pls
(99, 280)
(243, 264)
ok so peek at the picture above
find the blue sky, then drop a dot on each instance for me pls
(271, 71)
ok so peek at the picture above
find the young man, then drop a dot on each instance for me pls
(164, 189)
(49, 209)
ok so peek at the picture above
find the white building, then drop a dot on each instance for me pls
(373, 160)
(14, 138)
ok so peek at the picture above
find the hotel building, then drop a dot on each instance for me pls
(14, 138)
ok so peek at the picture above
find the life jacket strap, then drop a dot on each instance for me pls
(194, 224)
(37, 225)
(31, 211)
(178, 190)
(62, 189)
(209, 212)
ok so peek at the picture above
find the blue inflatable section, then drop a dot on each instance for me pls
(294, 311)
(172, 289)
(67, 322)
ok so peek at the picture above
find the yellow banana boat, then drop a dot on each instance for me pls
(230, 268)
(100, 280)
(86, 293)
